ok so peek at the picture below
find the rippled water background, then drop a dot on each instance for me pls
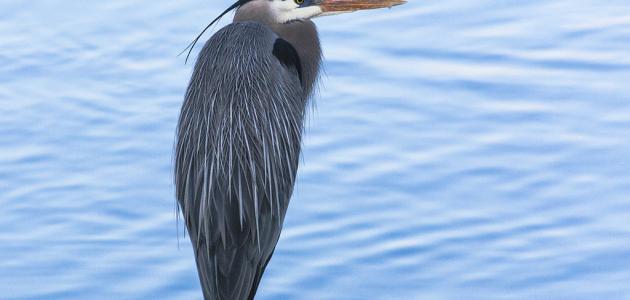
(459, 150)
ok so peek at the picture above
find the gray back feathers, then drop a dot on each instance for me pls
(236, 156)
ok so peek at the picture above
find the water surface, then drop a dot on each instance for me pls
(458, 150)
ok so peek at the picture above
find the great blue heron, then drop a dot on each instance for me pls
(239, 135)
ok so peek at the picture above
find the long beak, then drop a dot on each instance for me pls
(332, 6)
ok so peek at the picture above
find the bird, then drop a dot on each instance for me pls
(239, 135)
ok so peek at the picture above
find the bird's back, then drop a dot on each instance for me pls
(237, 151)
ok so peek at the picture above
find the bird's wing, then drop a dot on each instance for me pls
(238, 145)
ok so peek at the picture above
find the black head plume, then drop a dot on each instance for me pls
(194, 42)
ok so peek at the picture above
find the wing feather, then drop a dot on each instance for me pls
(237, 151)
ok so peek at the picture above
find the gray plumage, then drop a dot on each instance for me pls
(239, 136)
(238, 146)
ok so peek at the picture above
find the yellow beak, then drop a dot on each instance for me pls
(354, 5)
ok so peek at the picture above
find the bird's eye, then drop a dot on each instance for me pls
(299, 2)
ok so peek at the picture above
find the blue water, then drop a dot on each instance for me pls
(459, 150)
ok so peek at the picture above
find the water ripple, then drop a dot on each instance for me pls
(459, 150)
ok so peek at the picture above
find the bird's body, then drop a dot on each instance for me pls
(242, 151)
(238, 141)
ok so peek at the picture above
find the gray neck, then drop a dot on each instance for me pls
(302, 34)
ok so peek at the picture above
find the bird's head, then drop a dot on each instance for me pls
(283, 11)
